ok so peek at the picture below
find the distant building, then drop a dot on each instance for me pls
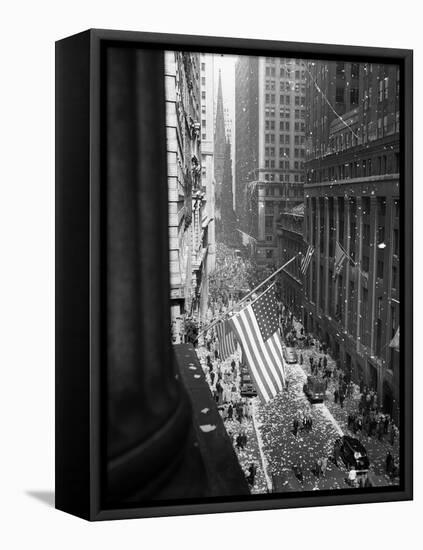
(186, 193)
(352, 197)
(270, 146)
(225, 216)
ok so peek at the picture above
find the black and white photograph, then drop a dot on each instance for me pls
(284, 228)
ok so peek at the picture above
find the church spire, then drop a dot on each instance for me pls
(219, 135)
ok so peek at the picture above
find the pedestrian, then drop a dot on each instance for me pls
(389, 462)
(252, 474)
(230, 411)
(386, 424)
(212, 376)
(324, 465)
(341, 399)
(336, 454)
(336, 395)
(352, 477)
(392, 435)
(295, 426)
(325, 362)
(301, 359)
(216, 354)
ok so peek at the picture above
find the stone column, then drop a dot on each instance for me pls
(326, 257)
(346, 267)
(336, 222)
(372, 270)
(358, 259)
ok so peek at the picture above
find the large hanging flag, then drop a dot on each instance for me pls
(395, 342)
(226, 339)
(246, 239)
(340, 257)
(305, 262)
(257, 330)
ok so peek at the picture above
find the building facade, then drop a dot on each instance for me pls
(186, 192)
(290, 228)
(270, 146)
(352, 198)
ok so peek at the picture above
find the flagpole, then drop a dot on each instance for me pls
(247, 296)
(347, 255)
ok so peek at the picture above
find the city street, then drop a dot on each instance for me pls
(272, 442)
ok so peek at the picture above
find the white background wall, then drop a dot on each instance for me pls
(28, 32)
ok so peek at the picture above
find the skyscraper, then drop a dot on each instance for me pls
(270, 143)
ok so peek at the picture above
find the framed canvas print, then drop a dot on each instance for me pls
(233, 266)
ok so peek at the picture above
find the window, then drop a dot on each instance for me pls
(339, 98)
(203, 66)
(340, 69)
(354, 96)
(269, 254)
(394, 277)
(396, 242)
(355, 67)
(380, 266)
(203, 80)
(203, 95)
(365, 263)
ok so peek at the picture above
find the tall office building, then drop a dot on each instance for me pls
(352, 200)
(270, 145)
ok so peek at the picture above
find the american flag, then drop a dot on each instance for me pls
(305, 262)
(340, 257)
(256, 328)
(226, 338)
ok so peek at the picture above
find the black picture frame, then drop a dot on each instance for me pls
(81, 310)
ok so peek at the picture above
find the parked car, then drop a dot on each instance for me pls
(247, 388)
(353, 453)
(315, 389)
(290, 355)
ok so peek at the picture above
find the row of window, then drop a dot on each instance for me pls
(285, 99)
(285, 72)
(298, 178)
(383, 164)
(285, 138)
(284, 112)
(285, 86)
(284, 152)
(284, 126)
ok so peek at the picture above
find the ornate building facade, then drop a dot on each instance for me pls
(352, 198)
(185, 188)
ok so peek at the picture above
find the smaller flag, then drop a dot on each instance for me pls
(305, 262)
(226, 339)
(395, 341)
(340, 257)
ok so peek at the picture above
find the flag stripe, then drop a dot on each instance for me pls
(259, 385)
(264, 355)
(263, 358)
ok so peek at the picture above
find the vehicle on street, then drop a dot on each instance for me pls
(352, 453)
(247, 388)
(315, 389)
(290, 355)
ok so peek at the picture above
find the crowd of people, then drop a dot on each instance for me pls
(224, 379)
